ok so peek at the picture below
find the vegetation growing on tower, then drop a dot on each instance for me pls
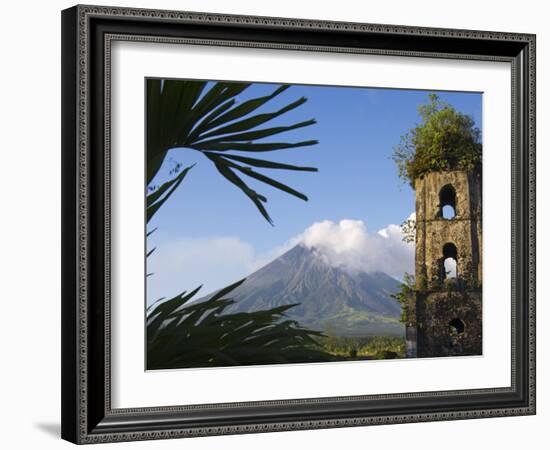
(403, 296)
(444, 140)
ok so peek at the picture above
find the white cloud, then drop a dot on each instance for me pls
(216, 262)
(348, 244)
(188, 263)
(450, 267)
(219, 261)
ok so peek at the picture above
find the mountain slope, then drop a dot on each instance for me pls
(329, 298)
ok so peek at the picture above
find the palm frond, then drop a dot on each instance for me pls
(208, 117)
(263, 163)
(220, 160)
(182, 334)
(159, 196)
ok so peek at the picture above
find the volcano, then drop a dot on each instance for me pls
(330, 299)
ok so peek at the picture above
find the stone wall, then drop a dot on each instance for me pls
(436, 313)
(433, 232)
(446, 312)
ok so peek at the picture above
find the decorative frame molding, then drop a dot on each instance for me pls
(87, 34)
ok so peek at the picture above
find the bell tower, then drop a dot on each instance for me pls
(444, 313)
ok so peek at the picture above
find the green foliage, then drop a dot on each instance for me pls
(386, 354)
(157, 198)
(408, 231)
(385, 347)
(206, 117)
(360, 348)
(197, 334)
(445, 140)
(404, 294)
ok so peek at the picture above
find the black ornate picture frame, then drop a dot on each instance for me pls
(87, 35)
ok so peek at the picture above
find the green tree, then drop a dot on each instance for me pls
(404, 294)
(444, 140)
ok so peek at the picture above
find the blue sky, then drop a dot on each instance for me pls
(357, 129)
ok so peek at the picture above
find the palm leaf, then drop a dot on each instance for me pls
(250, 146)
(263, 163)
(228, 94)
(201, 335)
(252, 122)
(207, 117)
(246, 107)
(157, 198)
(253, 135)
(258, 176)
(256, 198)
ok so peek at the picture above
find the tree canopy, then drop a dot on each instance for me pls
(446, 139)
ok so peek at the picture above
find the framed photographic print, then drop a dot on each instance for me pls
(280, 224)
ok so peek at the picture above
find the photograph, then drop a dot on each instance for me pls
(294, 223)
(302, 220)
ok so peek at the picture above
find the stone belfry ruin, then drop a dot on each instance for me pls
(444, 311)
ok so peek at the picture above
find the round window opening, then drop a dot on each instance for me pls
(456, 326)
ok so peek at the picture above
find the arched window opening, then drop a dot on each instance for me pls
(449, 261)
(456, 326)
(450, 268)
(447, 202)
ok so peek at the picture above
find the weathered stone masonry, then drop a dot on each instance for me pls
(444, 315)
